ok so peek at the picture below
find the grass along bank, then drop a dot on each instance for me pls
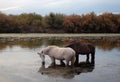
(59, 36)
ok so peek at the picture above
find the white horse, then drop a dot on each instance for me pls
(60, 53)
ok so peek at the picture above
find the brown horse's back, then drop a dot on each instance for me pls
(82, 48)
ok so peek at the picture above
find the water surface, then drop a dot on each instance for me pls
(19, 62)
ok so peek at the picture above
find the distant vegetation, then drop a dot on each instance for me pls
(60, 23)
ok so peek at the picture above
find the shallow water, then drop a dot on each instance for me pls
(19, 62)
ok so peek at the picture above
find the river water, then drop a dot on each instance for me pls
(19, 62)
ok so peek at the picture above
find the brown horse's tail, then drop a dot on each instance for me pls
(73, 59)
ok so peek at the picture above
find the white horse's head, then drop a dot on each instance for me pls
(42, 55)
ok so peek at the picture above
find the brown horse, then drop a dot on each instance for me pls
(83, 49)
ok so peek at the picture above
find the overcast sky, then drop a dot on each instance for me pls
(44, 7)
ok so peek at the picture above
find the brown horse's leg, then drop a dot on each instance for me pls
(77, 59)
(93, 58)
(87, 59)
(61, 62)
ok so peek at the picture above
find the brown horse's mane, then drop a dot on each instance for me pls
(73, 43)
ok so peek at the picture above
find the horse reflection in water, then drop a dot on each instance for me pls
(66, 72)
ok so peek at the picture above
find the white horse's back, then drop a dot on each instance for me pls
(60, 51)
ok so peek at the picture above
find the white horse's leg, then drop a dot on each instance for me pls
(67, 62)
(73, 60)
(53, 60)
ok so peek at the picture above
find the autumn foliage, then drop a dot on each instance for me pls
(60, 23)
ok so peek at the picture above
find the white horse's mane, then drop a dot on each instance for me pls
(53, 46)
(47, 49)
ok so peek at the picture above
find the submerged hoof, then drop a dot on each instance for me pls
(62, 64)
(76, 64)
(43, 63)
(52, 64)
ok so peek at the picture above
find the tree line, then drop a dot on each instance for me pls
(60, 23)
